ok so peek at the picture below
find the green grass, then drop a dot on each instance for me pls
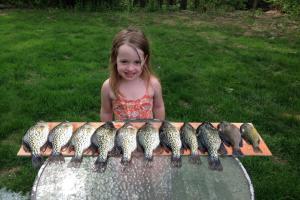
(212, 67)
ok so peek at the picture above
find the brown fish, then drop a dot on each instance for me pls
(231, 136)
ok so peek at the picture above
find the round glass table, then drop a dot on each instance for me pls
(140, 181)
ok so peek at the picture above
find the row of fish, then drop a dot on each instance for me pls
(109, 140)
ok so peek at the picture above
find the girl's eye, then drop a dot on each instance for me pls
(137, 62)
(124, 61)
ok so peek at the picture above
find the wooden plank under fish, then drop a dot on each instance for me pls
(247, 149)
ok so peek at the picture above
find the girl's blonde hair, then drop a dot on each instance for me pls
(136, 39)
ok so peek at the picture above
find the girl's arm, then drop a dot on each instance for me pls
(106, 113)
(158, 102)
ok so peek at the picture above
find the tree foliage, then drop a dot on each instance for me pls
(288, 6)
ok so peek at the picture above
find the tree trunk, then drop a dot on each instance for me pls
(183, 4)
(143, 3)
(254, 5)
(160, 3)
(172, 2)
(196, 4)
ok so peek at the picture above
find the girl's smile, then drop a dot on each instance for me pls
(130, 61)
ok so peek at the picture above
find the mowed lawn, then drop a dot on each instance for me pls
(227, 66)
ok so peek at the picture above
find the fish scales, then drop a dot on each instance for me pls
(104, 140)
(59, 137)
(170, 137)
(127, 141)
(189, 140)
(148, 137)
(81, 140)
(34, 139)
(210, 141)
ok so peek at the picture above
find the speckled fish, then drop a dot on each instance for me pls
(251, 136)
(104, 140)
(189, 140)
(170, 138)
(209, 140)
(231, 136)
(35, 140)
(126, 141)
(148, 138)
(81, 141)
(59, 137)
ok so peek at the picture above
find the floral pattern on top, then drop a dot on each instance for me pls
(133, 109)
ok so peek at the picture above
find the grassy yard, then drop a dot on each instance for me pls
(212, 67)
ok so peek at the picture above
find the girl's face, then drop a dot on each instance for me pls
(130, 62)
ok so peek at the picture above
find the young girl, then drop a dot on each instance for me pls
(132, 91)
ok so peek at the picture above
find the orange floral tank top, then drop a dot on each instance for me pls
(133, 109)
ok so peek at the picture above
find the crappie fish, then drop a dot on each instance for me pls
(104, 140)
(34, 140)
(209, 140)
(81, 140)
(148, 138)
(170, 138)
(189, 140)
(251, 136)
(126, 141)
(231, 136)
(59, 137)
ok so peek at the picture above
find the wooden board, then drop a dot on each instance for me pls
(246, 149)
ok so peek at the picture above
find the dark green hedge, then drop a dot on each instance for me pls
(288, 6)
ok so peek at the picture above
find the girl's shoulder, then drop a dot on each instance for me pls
(106, 86)
(107, 90)
(154, 86)
(155, 83)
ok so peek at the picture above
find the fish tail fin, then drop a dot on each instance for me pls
(126, 164)
(116, 152)
(195, 159)
(149, 158)
(148, 161)
(56, 157)
(176, 161)
(126, 159)
(75, 161)
(237, 153)
(215, 164)
(37, 161)
(100, 165)
(256, 149)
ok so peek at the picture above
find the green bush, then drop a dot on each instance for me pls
(153, 5)
(288, 6)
